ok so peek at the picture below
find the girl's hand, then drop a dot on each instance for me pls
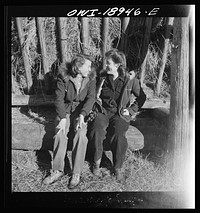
(62, 125)
(80, 122)
(125, 112)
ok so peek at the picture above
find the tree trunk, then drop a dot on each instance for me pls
(42, 48)
(85, 34)
(27, 66)
(60, 40)
(105, 38)
(179, 144)
(164, 55)
(144, 49)
(123, 42)
(142, 70)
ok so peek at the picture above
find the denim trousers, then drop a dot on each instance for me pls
(113, 129)
(78, 147)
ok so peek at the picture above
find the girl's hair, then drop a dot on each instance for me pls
(72, 68)
(78, 61)
(118, 57)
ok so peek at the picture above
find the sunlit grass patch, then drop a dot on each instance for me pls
(140, 174)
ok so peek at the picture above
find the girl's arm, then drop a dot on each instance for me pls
(140, 97)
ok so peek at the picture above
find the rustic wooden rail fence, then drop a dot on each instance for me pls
(127, 26)
(61, 52)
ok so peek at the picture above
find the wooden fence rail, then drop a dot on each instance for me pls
(27, 66)
(60, 45)
(62, 55)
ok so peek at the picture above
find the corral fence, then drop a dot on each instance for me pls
(40, 44)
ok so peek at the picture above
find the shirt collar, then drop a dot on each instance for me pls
(120, 77)
(84, 82)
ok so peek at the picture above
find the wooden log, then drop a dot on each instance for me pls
(27, 66)
(35, 130)
(135, 139)
(35, 136)
(41, 100)
(32, 100)
(27, 136)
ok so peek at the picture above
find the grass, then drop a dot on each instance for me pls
(140, 174)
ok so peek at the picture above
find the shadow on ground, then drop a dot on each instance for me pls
(155, 135)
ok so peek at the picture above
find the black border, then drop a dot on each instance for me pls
(72, 199)
(172, 10)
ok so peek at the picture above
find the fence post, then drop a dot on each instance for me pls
(27, 66)
(164, 54)
(85, 34)
(42, 47)
(105, 38)
(60, 40)
(145, 45)
(179, 144)
(123, 42)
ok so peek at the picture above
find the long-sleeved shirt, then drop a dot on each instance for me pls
(111, 92)
(68, 99)
(117, 97)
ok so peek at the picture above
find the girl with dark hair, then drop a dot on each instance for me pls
(75, 97)
(114, 89)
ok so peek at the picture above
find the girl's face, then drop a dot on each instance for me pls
(85, 68)
(111, 66)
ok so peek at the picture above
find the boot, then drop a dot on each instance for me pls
(54, 176)
(96, 168)
(118, 174)
(74, 181)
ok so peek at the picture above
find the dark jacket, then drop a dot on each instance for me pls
(131, 86)
(67, 100)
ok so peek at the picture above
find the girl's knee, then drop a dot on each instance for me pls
(82, 131)
(120, 129)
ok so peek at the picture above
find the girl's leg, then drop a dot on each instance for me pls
(59, 152)
(79, 149)
(97, 134)
(60, 146)
(119, 144)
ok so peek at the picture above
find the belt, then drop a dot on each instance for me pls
(73, 105)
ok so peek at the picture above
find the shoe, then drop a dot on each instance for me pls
(74, 181)
(118, 174)
(96, 169)
(55, 175)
